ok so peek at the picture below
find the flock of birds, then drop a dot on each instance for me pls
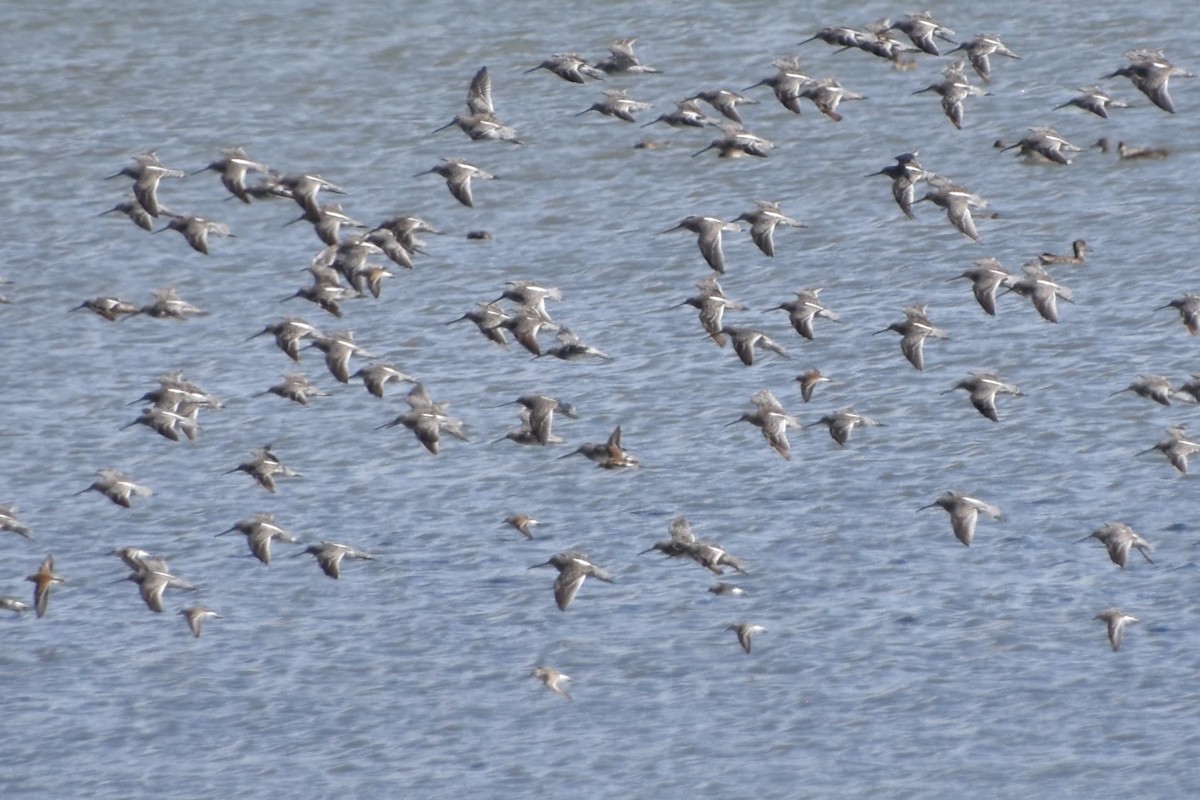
(344, 270)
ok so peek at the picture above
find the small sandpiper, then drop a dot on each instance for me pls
(745, 632)
(9, 521)
(809, 380)
(964, 513)
(523, 523)
(553, 680)
(43, 580)
(195, 616)
(1116, 619)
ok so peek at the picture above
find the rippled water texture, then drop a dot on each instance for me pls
(896, 662)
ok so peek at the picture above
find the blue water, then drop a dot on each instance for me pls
(896, 663)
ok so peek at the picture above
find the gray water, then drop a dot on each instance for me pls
(896, 663)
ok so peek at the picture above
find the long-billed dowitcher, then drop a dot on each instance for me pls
(338, 346)
(132, 209)
(1188, 307)
(482, 123)
(117, 487)
(196, 230)
(986, 276)
(195, 616)
(608, 454)
(957, 200)
(296, 387)
(1118, 538)
(376, 375)
(111, 308)
(1176, 446)
(954, 88)
(763, 219)
(553, 680)
(827, 94)
(983, 388)
(747, 340)
(43, 580)
(152, 580)
(427, 420)
(233, 166)
(458, 175)
(146, 173)
(921, 28)
(263, 467)
(288, 332)
(980, 49)
(787, 82)
(573, 566)
(906, 173)
(725, 102)
(167, 304)
(170, 424)
(683, 543)
(745, 632)
(1036, 284)
(1045, 143)
(487, 318)
(571, 348)
(622, 59)
(1150, 72)
(617, 103)
(260, 530)
(687, 114)
(709, 230)
(806, 307)
(711, 303)
(914, 329)
(735, 142)
(1116, 620)
(1152, 387)
(770, 418)
(1094, 100)
(571, 67)
(329, 556)
(964, 513)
